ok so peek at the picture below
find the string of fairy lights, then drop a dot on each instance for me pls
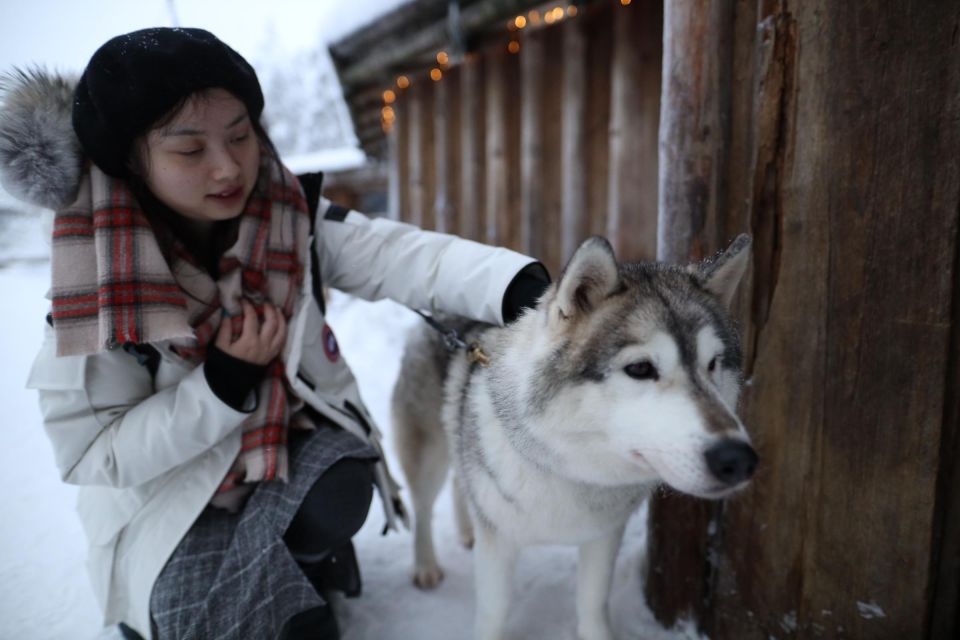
(515, 26)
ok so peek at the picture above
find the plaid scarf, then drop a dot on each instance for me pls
(112, 286)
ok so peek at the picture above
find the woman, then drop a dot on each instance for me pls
(188, 381)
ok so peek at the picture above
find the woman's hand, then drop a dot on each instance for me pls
(258, 343)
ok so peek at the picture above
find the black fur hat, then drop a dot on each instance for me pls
(135, 79)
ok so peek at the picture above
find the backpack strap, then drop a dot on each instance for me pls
(311, 184)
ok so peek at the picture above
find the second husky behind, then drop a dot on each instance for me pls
(626, 375)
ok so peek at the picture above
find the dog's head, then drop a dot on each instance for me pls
(644, 372)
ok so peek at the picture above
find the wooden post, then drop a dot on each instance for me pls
(401, 144)
(447, 150)
(532, 98)
(502, 149)
(472, 133)
(573, 184)
(693, 124)
(850, 528)
(598, 21)
(422, 158)
(634, 118)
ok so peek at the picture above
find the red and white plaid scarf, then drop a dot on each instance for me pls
(112, 286)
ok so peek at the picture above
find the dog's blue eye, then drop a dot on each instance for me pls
(643, 370)
(713, 365)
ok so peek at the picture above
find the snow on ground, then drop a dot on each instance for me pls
(44, 592)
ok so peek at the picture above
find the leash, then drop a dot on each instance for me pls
(452, 341)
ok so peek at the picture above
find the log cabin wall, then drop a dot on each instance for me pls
(536, 138)
(839, 129)
(828, 131)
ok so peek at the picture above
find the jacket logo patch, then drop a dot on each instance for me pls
(330, 347)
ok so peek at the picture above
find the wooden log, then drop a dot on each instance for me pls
(850, 528)
(574, 224)
(634, 121)
(532, 99)
(692, 138)
(502, 149)
(552, 176)
(598, 21)
(447, 150)
(472, 191)
(694, 132)
(401, 135)
(422, 158)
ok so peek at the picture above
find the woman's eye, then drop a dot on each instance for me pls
(643, 370)
(241, 138)
(190, 152)
(713, 365)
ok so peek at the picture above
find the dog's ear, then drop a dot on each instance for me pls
(589, 277)
(721, 275)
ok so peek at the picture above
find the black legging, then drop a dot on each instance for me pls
(333, 510)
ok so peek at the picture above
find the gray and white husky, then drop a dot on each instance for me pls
(626, 375)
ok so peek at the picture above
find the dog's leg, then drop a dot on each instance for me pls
(424, 457)
(493, 562)
(462, 514)
(594, 573)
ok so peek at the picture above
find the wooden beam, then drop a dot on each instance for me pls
(502, 149)
(574, 224)
(447, 150)
(533, 81)
(634, 118)
(598, 21)
(473, 135)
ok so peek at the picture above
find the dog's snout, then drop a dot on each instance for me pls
(731, 461)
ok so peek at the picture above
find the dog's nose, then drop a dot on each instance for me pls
(731, 461)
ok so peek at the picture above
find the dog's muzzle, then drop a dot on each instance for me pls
(731, 461)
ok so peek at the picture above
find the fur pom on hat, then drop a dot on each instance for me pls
(136, 78)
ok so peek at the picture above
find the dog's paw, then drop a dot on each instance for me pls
(427, 577)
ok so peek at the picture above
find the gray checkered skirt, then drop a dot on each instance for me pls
(232, 576)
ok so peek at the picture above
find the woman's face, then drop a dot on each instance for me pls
(203, 163)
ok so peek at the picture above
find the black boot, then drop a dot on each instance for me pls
(318, 623)
(337, 571)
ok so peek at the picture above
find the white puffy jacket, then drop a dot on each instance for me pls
(149, 451)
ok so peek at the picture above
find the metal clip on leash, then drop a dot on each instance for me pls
(452, 341)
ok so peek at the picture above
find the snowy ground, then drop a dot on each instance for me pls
(43, 587)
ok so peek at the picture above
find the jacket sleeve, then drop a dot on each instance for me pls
(379, 258)
(108, 425)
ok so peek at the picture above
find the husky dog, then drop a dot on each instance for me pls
(624, 376)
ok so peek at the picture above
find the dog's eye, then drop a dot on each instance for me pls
(713, 365)
(643, 370)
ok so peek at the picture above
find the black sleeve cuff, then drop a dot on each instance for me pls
(524, 291)
(231, 379)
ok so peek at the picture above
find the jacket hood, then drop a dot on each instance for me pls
(41, 160)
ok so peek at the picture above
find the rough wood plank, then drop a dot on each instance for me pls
(502, 149)
(552, 115)
(574, 224)
(473, 134)
(533, 82)
(694, 131)
(401, 134)
(447, 150)
(598, 21)
(634, 123)
(422, 158)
